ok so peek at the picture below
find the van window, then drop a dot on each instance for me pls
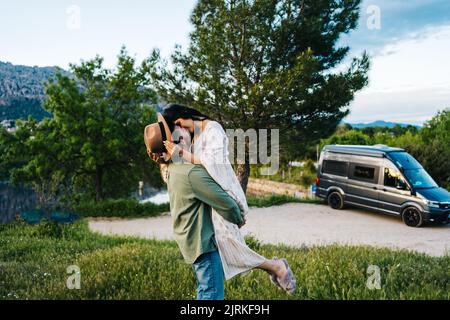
(338, 168)
(420, 179)
(405, 160)
(364, 173)
(394, 179)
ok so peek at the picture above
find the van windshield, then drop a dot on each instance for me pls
(405, 160)
(420, 179)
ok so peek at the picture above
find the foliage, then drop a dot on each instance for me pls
(266, 64)
(129, 208)
(22, 90)
(20, 108)
(35, 260)
(434, 151)
(92, 148)
(276, 200)
(304, 175)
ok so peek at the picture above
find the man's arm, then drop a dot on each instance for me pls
(210, 192)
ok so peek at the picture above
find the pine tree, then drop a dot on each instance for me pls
(266, 64)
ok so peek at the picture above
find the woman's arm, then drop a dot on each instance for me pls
(186, 155)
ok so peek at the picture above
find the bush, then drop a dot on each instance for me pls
(129, 208)
(275, 200)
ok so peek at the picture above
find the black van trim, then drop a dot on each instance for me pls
(373, 208)
(333, 188)
(365, 153)
(402, 206)
(331, 177)
(376, 200)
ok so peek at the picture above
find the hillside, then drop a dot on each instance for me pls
(379, 123)
(22, 90)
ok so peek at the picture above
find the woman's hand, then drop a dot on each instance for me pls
(171, 147)
(243, 223)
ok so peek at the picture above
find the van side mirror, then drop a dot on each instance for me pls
(401, 185)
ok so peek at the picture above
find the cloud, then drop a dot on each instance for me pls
(409, 79)
(413, 107)
(399, 20)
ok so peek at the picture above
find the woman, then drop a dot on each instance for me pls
(209, 148)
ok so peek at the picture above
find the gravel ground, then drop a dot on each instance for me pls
(298, 224)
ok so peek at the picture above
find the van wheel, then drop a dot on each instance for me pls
(335, 200)
(412, 217)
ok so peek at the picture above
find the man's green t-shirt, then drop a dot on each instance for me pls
(192, 193)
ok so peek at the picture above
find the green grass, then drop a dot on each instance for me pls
(276, 200)
(34, 259)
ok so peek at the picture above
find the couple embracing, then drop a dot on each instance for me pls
(207, 203)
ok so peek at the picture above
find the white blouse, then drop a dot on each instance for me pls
(211, 148)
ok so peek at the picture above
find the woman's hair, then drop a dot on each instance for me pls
(171, 113)
(175, 111)
(163, 170)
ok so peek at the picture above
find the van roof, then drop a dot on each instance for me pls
(378, 150)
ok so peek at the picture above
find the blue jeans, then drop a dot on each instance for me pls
(210, 278)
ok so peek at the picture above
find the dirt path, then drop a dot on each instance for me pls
(307, 224)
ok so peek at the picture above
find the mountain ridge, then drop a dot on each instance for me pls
(380, 123)
(22, 90)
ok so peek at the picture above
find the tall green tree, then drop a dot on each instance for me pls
(13, 152)
(93, 145)
(351, 137)
(266, 64)
(434, 151)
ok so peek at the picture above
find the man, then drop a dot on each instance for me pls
(192, 193)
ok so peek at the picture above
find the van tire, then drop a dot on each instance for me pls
(412, 217)
(335, 200)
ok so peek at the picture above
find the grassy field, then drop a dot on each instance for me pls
(34, 261)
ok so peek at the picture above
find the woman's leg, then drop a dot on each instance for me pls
(274, 266)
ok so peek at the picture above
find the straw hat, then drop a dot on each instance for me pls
(155, 134)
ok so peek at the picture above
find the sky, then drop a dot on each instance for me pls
(408, 42)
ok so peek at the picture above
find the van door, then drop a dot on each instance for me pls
(395, 190)
(362, 188)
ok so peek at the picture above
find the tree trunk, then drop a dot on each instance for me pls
(98, 184)
(242, 173)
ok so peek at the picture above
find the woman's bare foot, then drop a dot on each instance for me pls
(280, 274)
(280, 270)
(275, 268)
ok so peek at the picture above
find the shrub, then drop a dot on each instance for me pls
(120, 208)
(275, 200)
